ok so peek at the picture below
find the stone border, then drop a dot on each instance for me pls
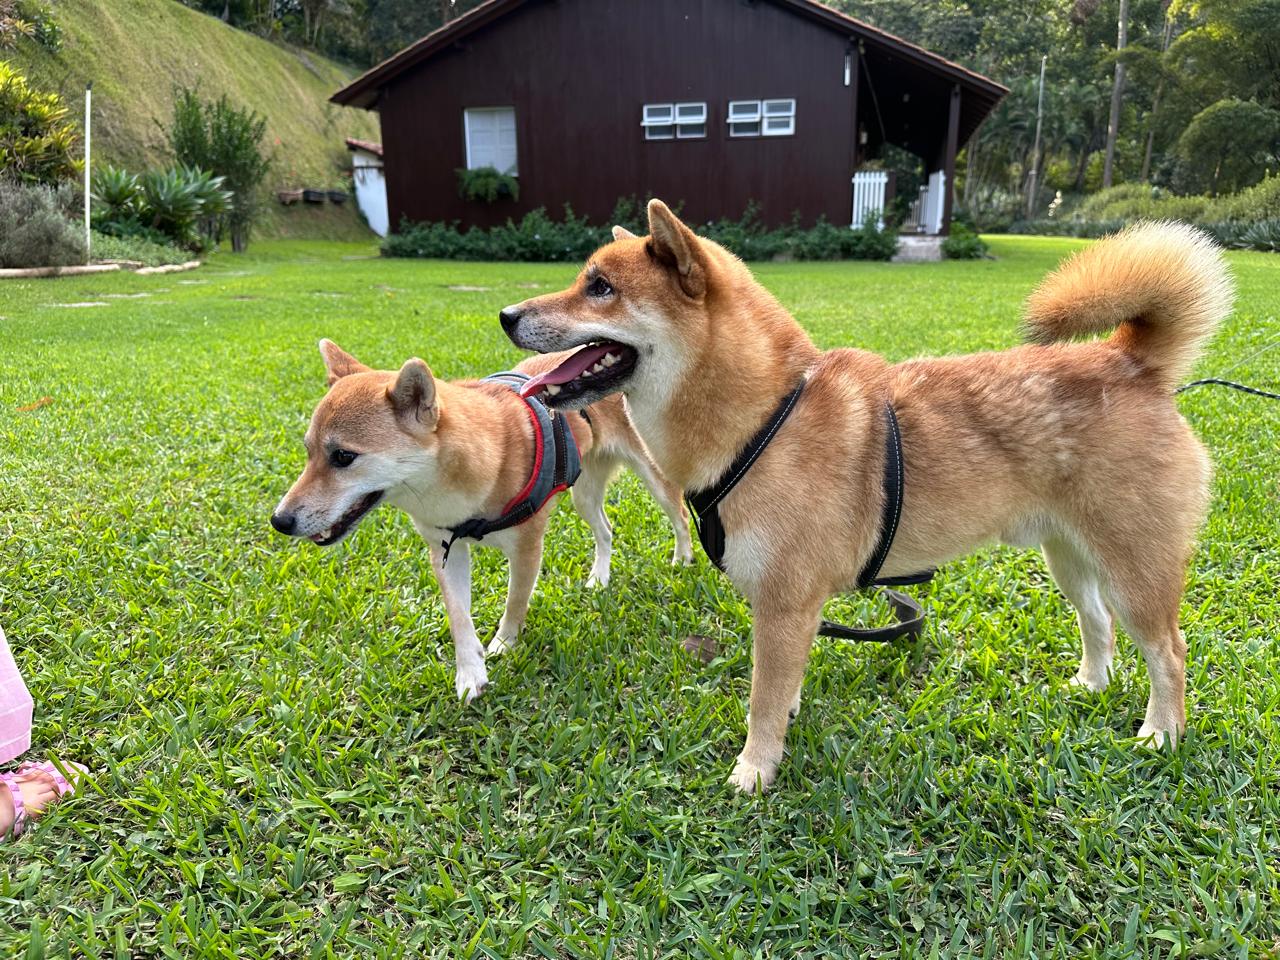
(18, 273)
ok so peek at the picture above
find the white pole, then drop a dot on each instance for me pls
(88, 112)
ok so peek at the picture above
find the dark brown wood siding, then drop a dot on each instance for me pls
(578, 73)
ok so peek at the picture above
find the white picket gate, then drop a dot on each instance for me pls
(869, 187)
(927, 208)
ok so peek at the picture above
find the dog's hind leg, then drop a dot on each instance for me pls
(454, 578)
(669, 499)
(1078, 578)
(524, 562)
(588, 500)
(1146, 603)
(1142, 581)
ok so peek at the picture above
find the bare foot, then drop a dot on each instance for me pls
(37, 786)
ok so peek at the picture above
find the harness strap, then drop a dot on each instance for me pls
(556, 466)
(704, 505)
(908, 611)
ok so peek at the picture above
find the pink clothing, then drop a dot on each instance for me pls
(15, 707)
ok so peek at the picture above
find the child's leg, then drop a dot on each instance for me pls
(15, 707)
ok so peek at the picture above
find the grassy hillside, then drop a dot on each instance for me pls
(137, 51)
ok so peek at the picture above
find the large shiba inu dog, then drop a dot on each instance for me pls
(1072, 446)
(448, 453)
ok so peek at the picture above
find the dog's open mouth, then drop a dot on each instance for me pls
(328, 538)
(595, 370)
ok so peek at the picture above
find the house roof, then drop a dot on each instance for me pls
(363, 90)
(366, 145)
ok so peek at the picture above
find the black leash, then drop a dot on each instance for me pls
(1214, 381)
(706, 515)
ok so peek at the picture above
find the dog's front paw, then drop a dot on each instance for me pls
(749, 778)
(1091, 680)
(1157, 738)
(500, 644)
(599, 578)
(683, 555)
(470, 683)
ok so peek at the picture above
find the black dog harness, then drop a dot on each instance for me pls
(556, 466)
(706, 511)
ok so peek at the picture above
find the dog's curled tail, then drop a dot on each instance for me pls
(1163, 287)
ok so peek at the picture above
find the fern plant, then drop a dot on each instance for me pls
(487, 185)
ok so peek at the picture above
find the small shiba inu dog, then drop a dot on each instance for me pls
(446, 453)
(1072, 446)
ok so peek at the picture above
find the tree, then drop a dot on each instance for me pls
(1117, 93)
(1228, 146)
(226, 141)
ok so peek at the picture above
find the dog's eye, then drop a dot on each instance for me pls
(599, 287)
(342, 458)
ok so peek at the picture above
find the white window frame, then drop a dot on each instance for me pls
(775, 117)
(779, 117)
(675, 121)
(744, 114)
(514, 169)
(659, 121)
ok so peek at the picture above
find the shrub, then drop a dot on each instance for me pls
(37, 142)
(137, 249)
(1257, 203)
(1093, 205)
(162, 206)
(34, 229)
(963, 244)
(536, 237)
(116, 193)
(218, 137)
(487, 185)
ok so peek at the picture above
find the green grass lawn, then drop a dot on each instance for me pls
(282, 768)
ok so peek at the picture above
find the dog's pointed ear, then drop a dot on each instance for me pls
(338, 362)
(673, 244)
(622, 233)
(413, 395)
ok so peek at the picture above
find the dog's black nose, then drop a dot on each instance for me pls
(509, 316)
(284, 522)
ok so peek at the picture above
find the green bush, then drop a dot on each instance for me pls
(44, 29)
(34, 228)
(116, 193)
(138, 249)
(213, 135)
(1093, 206)
(1229, 219)
(538, 238)
(487, 185)
(37, 142)
(162, 206)
(1257, 203)
(963, 244)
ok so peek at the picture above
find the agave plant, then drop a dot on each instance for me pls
(179, 199)
(116, 192)
(1264, 235)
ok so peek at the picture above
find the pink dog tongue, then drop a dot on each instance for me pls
(570, 367)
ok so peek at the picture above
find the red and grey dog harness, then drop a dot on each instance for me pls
(556, 466)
